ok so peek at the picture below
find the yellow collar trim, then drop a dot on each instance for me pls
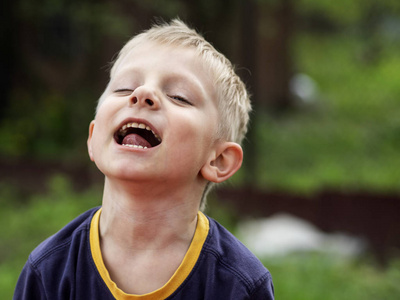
(175, 281)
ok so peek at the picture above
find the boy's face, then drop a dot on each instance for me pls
(168, 91)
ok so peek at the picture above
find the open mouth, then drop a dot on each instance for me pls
(137, 135)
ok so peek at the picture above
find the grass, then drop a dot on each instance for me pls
(315, 276)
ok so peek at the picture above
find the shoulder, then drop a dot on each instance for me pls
(61, 241)
(235, 260)
(62, 267)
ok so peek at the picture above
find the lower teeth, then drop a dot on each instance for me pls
(134, 146)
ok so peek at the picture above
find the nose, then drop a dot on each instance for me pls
(145, 96)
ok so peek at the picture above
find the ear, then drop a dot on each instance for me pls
(89, 140)
(223, 163)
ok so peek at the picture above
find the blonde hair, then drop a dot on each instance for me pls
(233, 101)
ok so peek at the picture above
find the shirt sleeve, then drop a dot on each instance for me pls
(29, 285)
(265, 289)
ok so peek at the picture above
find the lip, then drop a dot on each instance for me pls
(140, 121)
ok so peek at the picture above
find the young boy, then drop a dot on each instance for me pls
(167, 126)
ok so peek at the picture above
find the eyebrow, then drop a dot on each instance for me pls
(196, 86)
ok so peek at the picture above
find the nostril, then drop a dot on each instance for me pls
(134, 100)
(149, 102)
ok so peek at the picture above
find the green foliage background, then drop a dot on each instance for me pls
(347, 138)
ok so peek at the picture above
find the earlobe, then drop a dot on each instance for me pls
(224, 163)
(89, 140)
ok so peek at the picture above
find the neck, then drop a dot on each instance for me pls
(138, 218)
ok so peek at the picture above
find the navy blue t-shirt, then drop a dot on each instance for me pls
(68, 265)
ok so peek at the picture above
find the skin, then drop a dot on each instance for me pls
(151, 196)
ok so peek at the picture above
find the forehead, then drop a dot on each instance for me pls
(150, 55)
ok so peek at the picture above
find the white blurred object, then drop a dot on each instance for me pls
(282, 234)
(304, 88)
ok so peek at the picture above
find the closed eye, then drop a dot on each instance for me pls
(123, 91)
(180, 99)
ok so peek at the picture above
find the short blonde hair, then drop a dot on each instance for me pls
(233, 99)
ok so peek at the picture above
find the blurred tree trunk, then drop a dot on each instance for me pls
(247, 59)
(266, 32)
(215, 20)
(274, 64)
(8, 29)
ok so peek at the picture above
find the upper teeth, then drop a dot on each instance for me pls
(141, 126)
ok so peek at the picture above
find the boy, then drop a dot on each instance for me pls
(167, 126)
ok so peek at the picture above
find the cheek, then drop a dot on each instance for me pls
(93, 147)
(198, 140)
(98, 141)
(189, 139)
(195, 131)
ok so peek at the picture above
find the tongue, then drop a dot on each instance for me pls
(135, 139)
